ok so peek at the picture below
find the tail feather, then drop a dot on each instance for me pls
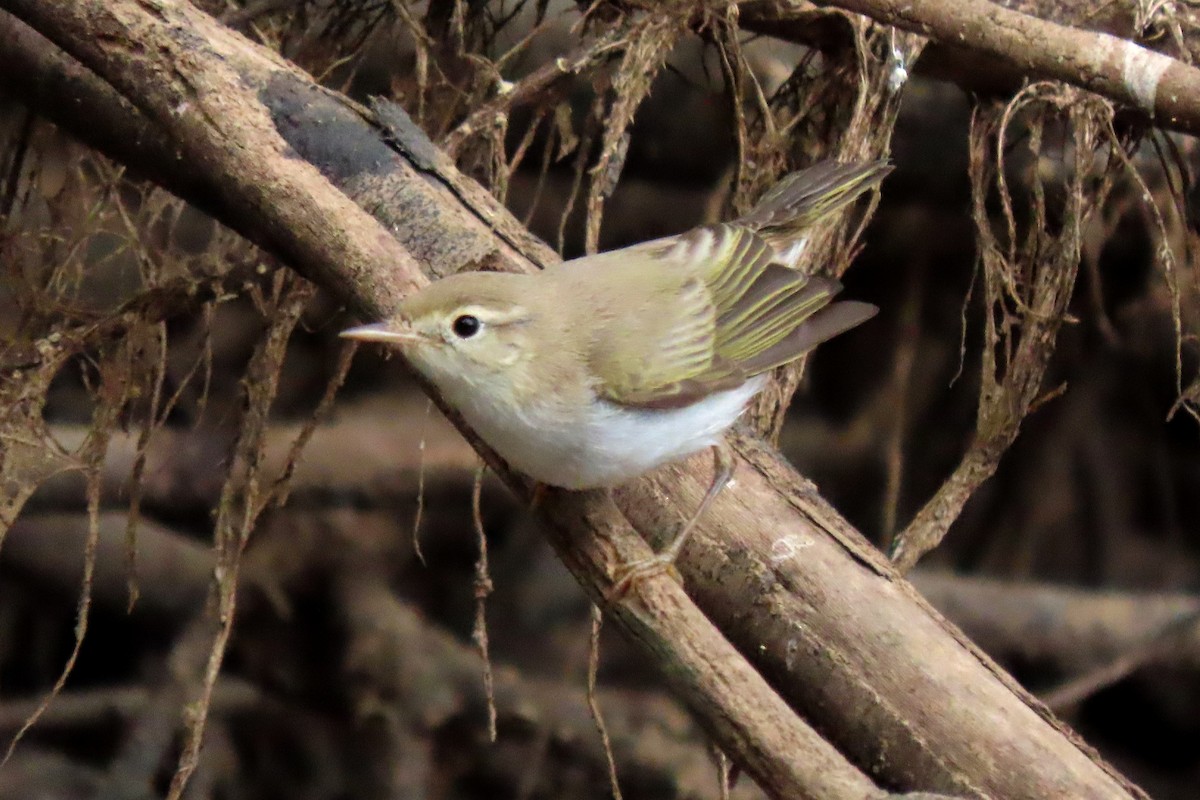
(807, 196)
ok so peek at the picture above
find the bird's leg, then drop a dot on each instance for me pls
(638, 570)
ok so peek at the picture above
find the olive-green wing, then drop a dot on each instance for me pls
(656, 353)
(738, 313)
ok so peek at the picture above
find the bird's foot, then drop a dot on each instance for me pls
(629, 574)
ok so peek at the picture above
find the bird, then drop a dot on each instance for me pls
(596, 370)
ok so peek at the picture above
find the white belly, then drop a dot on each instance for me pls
(611, 444)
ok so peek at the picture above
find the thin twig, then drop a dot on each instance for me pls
(593, 668)
(483, 588)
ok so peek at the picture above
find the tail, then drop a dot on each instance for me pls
(805, 197)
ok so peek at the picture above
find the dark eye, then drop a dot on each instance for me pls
(466, 326)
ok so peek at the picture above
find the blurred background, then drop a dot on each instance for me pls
(142, 346)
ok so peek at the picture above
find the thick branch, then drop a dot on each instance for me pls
(972, 69)
(1165, 88)
(197, 102)
(796, 589)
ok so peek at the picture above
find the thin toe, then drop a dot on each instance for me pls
(637, 571)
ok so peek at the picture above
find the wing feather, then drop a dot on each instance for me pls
(738, 311)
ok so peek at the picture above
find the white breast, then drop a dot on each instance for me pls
(610, 444)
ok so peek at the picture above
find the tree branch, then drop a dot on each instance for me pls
(1164, 88)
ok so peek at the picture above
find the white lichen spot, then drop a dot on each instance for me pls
(787, 548)
(504, 87)
(899, 74)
